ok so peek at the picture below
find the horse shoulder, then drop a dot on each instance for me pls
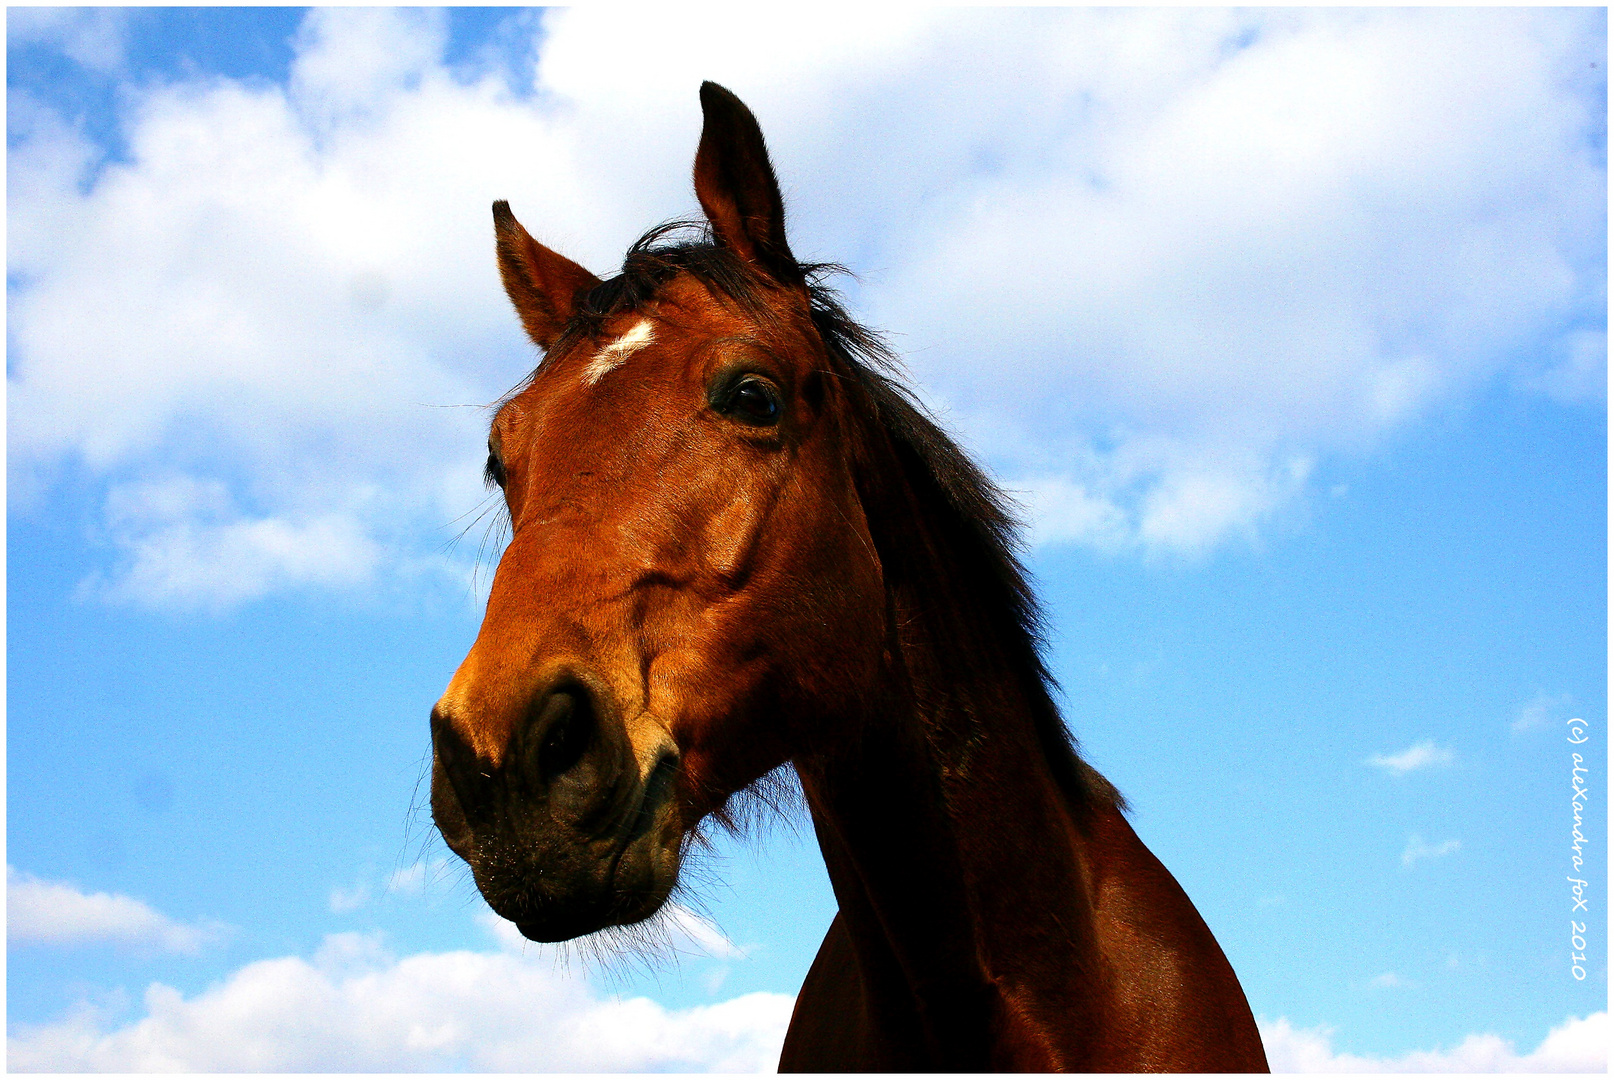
(1178, 1004)
(829, 1029)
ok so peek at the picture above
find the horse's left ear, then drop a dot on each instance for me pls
(735, 183)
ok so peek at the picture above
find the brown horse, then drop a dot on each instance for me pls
(737, 543)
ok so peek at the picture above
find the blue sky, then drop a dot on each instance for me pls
(1288, 328)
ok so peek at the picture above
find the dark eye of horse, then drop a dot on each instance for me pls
(754, 401)
(493, 473)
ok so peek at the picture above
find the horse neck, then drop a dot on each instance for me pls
(954, 851)
(1016, 829)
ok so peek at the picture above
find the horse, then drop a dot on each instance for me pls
(738, 544)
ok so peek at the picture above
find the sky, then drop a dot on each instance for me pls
(1286, 328)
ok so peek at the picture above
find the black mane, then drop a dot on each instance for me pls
(967, 507)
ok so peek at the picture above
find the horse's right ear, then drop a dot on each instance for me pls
(544, 286)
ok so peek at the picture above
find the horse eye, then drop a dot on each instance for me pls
(754, 402)
(493, 473)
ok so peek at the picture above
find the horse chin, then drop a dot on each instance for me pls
(617, 888)
(570, 924)
(637, 890)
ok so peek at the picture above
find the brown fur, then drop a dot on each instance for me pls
(698, 590)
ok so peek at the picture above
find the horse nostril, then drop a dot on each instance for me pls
(562, 732)
(465, 774)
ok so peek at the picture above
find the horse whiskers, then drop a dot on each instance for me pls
(479, 509)
(652, 944)
(489, 504)
(615, 953)
(499, 529)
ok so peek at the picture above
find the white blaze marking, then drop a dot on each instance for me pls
(619, 350)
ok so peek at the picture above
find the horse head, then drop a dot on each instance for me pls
(690, 595)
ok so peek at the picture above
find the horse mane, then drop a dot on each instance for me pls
(960, 500)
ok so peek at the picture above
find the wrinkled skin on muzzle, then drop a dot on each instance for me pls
(566, 834)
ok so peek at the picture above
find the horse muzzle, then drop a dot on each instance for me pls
(564, 832)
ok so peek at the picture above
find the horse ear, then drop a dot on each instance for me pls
(736, 187)
(543, 285)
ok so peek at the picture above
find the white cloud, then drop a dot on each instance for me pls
(1579, 1044)
(40, 912)
(1417, 850)
(183, 543)
(1062, 510)
(1423, 755)
(280, 301)
(1541, 711)
(349, 898)
(689, 930)
(1193, 506)
(93, 37)
(1388, 980)
(1251, 252)
(414, 880)
(355, 64)
(355, 1008)
(1578, 372)
(1157, 275)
